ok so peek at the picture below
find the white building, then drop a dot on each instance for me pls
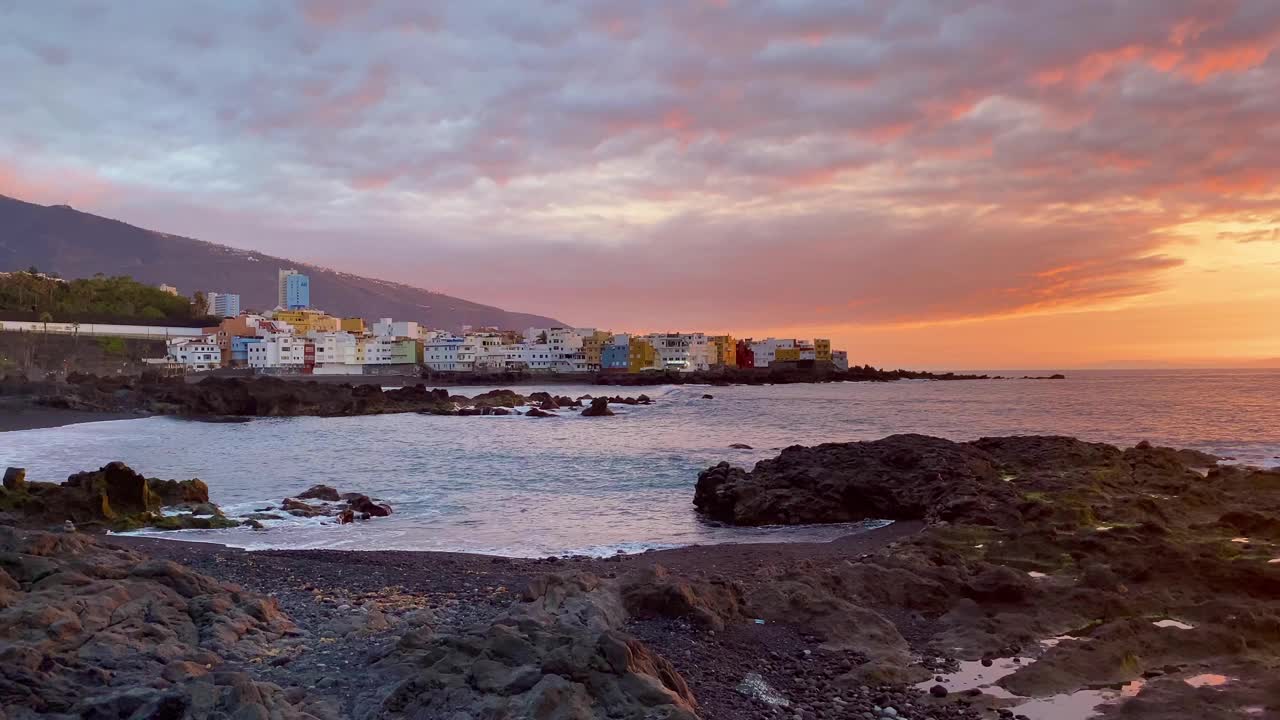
(278, 351)
(335, 352)
(386, 327)
(224, 304)
(766, 350)
(169, 289)
(447, 352)
(195, 354)
(685, 352)
(376, 351)
(487, 350)
(840, 359)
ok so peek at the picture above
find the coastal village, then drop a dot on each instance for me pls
(296, 338)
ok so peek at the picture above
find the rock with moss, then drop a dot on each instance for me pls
(177, 492)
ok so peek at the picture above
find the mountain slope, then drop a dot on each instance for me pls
(75, 244)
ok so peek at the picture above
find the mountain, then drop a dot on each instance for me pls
(60, 239)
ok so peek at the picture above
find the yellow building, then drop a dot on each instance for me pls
(355, 326)
(593, 346)
(726, 351)
(305, 321)
(642, 355)
(822, 350)
(787, 354)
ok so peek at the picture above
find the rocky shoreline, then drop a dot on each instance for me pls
(1141, 582)
(87, 397)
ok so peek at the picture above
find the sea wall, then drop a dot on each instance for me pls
(36, 354)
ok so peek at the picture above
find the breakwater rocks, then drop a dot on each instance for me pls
(231, 398)
(1081, 567)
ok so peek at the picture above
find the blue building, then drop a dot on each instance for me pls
(295, 290)
(615, 357)
(224, 304)
(240, 349)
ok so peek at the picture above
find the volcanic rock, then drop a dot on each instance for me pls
(902, 477)
(599, 408)
(320, 492)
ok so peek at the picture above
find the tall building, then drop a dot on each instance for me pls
(294, 291)
(224, 304)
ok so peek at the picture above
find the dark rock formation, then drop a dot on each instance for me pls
(558, 654)
(364, 506)
(537, 413)
(320, 492)
(97, 632)
(599, 408)
(177, 492)
(903, 477)
(112, 497)
(741, 446)
(15, 479)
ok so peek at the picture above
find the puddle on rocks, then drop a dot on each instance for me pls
(1207, 680)
(1078, 705)
(972, 674)
(1056, 641)
(1171, 623)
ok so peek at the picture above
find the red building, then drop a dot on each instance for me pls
(745, 355)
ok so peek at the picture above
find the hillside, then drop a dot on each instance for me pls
(76, 244)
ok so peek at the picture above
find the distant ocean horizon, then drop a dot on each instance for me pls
(528, 487)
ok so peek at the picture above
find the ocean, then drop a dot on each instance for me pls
(533, 487)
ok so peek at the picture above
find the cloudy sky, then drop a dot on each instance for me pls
(935, 183)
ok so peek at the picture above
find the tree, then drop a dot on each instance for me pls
(199, 304)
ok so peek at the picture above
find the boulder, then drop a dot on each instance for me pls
(538, 413)
(300, 509)
(599, 408)
(320, 492)
(741, 446)
(655, 592)
(708, 396)
(15, 479)
(177, 492)
(364, 506)
(114, 490)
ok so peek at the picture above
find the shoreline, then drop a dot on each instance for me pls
(34, 417)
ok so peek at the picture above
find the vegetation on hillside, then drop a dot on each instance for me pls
(33, 296)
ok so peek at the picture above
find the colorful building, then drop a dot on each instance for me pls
(822, 349)
(305, 321)
(786, 354)
(725, 351)
(593, 347)
(641, 356)
(744, 355)
(615, 358)
(355, 326)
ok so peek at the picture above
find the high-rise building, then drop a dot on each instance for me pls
(224, 304)
(295, 290)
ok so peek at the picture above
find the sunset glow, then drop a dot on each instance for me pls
(972, 184)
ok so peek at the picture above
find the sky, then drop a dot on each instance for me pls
(930, 183)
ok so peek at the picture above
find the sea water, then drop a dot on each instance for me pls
(530, 487)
